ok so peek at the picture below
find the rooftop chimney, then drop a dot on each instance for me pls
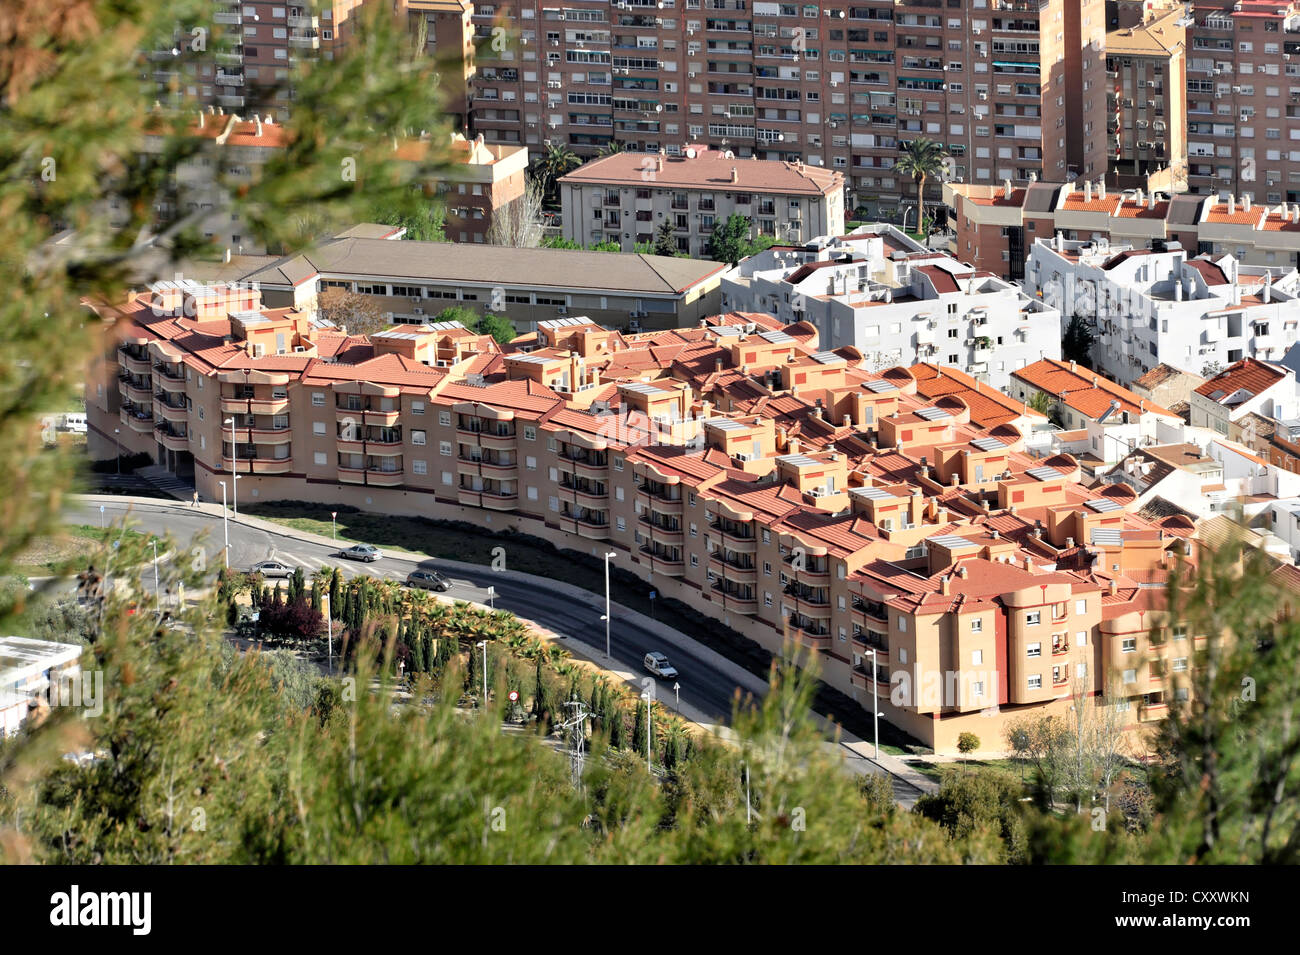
(258, 119)
(945, 585)
(1101, 187)
(1006, 188)
(1232, 205)
(1245, 203)
(1087, 190)
(962, 572)
(735, 174)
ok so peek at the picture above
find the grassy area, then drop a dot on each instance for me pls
(448, 540)
(66, 552)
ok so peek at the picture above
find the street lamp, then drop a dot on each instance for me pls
(225, 523)
(234, 488)
(608, 555)
(329, 629)
(483, 644)
(117, 437)
(334, 524)
(875, 711)
(157, 594)
(648, 694)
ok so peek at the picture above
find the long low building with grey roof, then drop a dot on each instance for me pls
(414, 281)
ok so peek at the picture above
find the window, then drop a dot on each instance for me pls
(1033, 618)
(318, 427)
(532, 494)
(977, 625)
(1034, 650)
(417, 407)
(1130, 676)
(446, 477)
(902, 625)
(530, 463)
(1036, 682)
(318, 399)
(1180, 664)
(1129, 644)
(444, 448)
(977, 689)
(618, 464)
(1081, 671)
(418, 438)
(767, 568)
(622, 524)
(530, 433)
(694, 530)
(1081, 606)
(444, 418)
(420, 467)
(977, 657)
(695, 561)
(320, 458)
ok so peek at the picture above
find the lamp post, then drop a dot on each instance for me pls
(234, 487)
(225, 523)
(334, 525)
(117, 437)
(875, 710)
(608, 555)
(157, 593)
(329, 629)
(483, 644)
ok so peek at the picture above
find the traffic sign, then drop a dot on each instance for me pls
(654, 594)
(514, 696)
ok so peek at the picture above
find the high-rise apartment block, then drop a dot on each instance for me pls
(1014, 89)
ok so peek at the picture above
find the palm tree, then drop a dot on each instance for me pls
(921, 159)
(556, 162)
(612, 147)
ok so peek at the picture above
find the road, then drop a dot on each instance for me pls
(703, 687)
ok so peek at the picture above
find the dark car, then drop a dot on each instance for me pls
(428, 580)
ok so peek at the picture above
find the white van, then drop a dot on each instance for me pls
(75, 421)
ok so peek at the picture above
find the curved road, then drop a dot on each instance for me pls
(711, 692)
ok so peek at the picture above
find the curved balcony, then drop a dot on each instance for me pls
(383, 419)
(254, 405)
(664, 535)
(167, 413)
(350, 446)
(499, 502)
(352, 475)
(376, 478)
(863, 642)
(813, 578)
(270, 435)
(142, 394)
(496, 442)
(384, 449)
(662, 565)
(741, 545)
(138, 424)
(863, 679)
(590, 498)
(1149, 712)
(809, 638)
(168, 382)
(870, 610)
(171, 441)
(663, 505)
(258, 465)
(596, 472)
(592, 531)
(137, 366)
(733, 602)
(818, 607)
(742, 575)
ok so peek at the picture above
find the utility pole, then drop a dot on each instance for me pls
(225, 523)
(577, 727)
(483, 644)
(157, 593)
(234, 477)
(329, 627)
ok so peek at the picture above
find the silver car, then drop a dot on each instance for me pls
(272, 568)
(366, 552)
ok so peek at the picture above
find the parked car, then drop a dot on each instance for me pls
(428, 580)
(658, 664)
(366, 552)
(271, 568)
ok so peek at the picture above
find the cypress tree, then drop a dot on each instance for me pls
(336, 594)
(616, 728)
(277, 599)
(638, 729)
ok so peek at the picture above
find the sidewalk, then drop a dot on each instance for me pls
(858, 753)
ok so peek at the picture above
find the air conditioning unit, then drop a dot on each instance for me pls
(299, 348)
(418, 311)
(984, 96)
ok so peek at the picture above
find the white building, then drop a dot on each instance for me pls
(1149, 306)
(28, 670)
(1247, 387)
(898, 303)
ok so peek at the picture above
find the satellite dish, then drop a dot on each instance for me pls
(729, 154)
(690, 154)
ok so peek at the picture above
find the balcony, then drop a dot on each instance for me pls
(661, 562)
(871, 608)
(137, 420)
(171, 440)
(305, 42)
(270, 435)
(243, 465)
(733, 541)
(491, 441)
(733, 571)
(384, 478)
(303, 23)
(141, 393)
(230, 99)
(228, 17)
(168, 412)
(864, 679)
(250, 405)
(811, 639)
(1149, 712)
(735, 602)
(136, 364)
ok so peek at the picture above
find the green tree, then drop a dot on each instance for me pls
(611, 148)
(922, 159)
(967, 743)
(498, 326)
(558, 161)
(729, 241)
(665, 243)
(1076, 344)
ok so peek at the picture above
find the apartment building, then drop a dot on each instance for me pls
(880, 293)
(35, 674)
(1243, 97)
(1150, 307)
(1100, 421)
(996, 226)
(920, 554)
(1012, 88)
(1247, 387)
(246, 61)
(1146, 66)
(627, 197)
(411, 281)
(478, 182)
